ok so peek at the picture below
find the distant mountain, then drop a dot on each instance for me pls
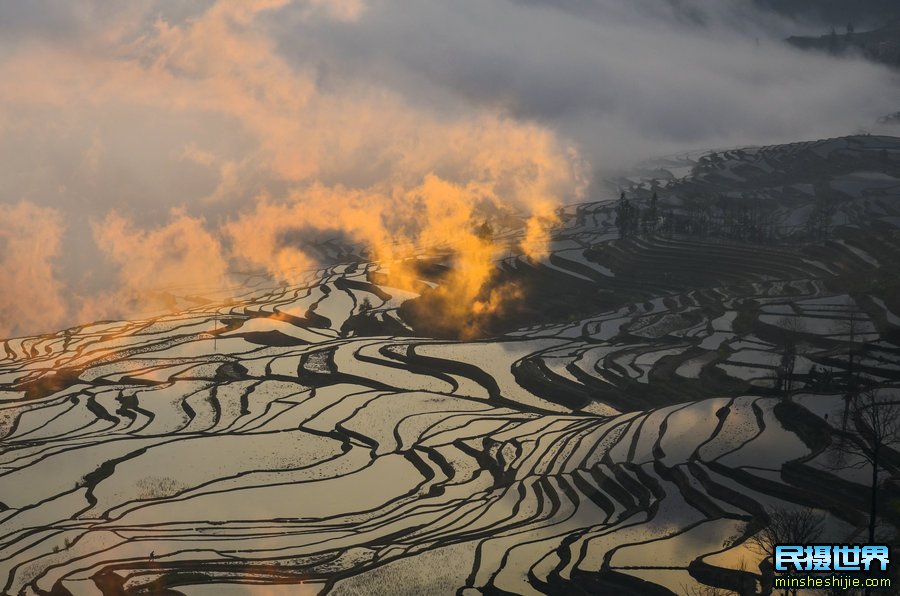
(863, 13)
(880, 45)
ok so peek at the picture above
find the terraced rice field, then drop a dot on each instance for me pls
(266, 444)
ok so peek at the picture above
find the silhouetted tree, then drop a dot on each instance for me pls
(785, 372)
(833, 41)
(851, 327)
(485, 231)
(818, 224)
(790, 328)
(626, 216)
(877, 429)
(785, 526)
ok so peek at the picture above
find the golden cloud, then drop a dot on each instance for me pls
(359, 160)
(32, 296)
(181, 256)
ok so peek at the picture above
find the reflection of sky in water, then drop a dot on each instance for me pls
(310, 461)
(308, 589)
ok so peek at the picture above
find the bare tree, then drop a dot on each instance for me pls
(852, 328)
(877, 423)
(786, 526)
(790, 327)
(486, 231)
(785, 370)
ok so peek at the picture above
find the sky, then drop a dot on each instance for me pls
(163, 143)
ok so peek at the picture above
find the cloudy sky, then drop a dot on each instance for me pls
(153, 144)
